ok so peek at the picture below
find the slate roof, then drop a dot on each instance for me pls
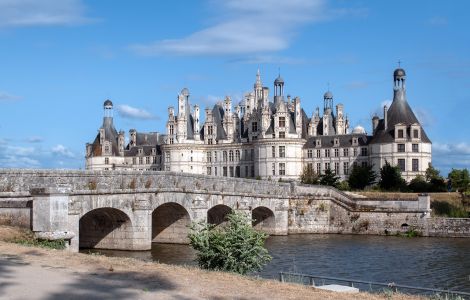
(345, 140)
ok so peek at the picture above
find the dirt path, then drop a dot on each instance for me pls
(36, 273)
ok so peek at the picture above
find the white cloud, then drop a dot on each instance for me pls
(4, 96)
(61, 150)
(451, 155)
(244, 27)
(129, 112)
(35, 139)
(425, 117)
(22, 13)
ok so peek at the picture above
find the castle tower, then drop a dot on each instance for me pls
(278, 90)
(196, 124)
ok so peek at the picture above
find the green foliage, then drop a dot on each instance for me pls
(309, 176)
(57, 244)
(460, 180)
(235, 247)
(361, 176)
(432, 173)
(329, 178)
(446, 209)
(390, 178)
(343, 186)
(419, 185)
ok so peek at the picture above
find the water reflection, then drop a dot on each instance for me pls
(426, 262)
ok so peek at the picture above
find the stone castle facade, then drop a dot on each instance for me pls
(268, 138)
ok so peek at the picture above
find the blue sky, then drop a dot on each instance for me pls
(60, 59)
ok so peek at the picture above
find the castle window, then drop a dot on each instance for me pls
(415, 165)
(282, 134)
(318, 143)
(274, 169)
(231, 171)
(355, 152)
(230, 154)
(252, 155)
(400, 133)
(139, 151)
(172, 129)
(252, 171)
(215, 156)
(209, 170)
(346, 168)
(336, 142)
(191, 158)
(336, 152)
(327, 166)
(336, 168)
(167, 156)
(310, 166)
(134, 160)
(246, 171)
(318, 153)
(172, 141)
(346, 152)
(106, 149)
(237, 171)
(154, 151)
(210, 141)
(147, 160)
(106, 160)
(327, 152)
(141, 160)
(237, 156)
(225, 171)
(363, 151)
(401, 147)
(401, 164)
(225, 156)
(209, 157)
(354, 141)
(282, 169)
(282, 151)
(215, 171)
(210, 130)
(416, 133)
(273, 151)
(415, 147)
(274, 135)
(155, 160)
(282, 122)
(254, 126)
(309, 153)
(318, 168)
(364, 164)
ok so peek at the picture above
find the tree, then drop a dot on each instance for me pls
(329, 178)
(390, 178)
(309, 176)
(460, 180)
(432, 173)
(235, 247)
(419, 185)
(361, 176)
(436, 182)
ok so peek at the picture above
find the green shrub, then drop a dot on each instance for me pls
(446, 209)
(309, 176)
(235, 247)
(390, 178)
(56, 244)
(343, 186)
(361, 176)
(329, 178)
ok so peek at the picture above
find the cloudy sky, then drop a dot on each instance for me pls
(60, 59)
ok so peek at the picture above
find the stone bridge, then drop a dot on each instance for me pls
(129, 210)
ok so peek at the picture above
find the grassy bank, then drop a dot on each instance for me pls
(148, 277)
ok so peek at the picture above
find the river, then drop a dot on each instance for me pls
(425, 262)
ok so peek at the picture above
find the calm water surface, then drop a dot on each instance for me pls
(425, 262)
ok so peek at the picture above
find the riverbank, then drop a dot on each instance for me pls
(36, 273)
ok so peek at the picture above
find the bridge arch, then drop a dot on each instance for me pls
(264, 219)
(105, 228)
(217, 214)
(170, 224)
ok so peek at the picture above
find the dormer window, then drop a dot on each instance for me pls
(282, 122)
(140, 151)
(318, 143)
(354, 141)
(282, 134)
(400, 134)
(154, 151)
(254, 126)
(336, 142)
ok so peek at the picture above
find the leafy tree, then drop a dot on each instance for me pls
(419, 185)
(309, 176)
(390, 178)
(329, 178)
(436, 182)
(343, 186)
(235, 247)
(460, 180)
(361, 176)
